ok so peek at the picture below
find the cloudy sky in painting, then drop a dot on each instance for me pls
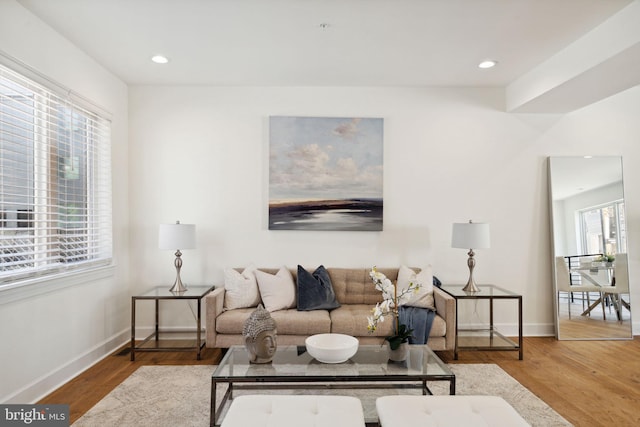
(325, 158)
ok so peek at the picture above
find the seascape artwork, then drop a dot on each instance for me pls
(325, 173)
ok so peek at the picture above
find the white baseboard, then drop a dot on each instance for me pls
(44, 385)
(48, 383)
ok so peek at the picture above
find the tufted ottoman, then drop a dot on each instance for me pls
(454, 411)
(294, 411)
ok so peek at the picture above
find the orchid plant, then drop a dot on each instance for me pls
(391, 301)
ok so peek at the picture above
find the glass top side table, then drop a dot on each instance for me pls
(196, 293)
(486, 338)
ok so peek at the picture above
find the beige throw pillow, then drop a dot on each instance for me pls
(278, 292)
(241, 289)
(424, 297)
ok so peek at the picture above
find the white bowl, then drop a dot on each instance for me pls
(331, 348)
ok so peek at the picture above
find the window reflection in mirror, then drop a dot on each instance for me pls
(591, 290)
(602, 228)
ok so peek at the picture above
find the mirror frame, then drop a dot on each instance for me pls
(554, 244)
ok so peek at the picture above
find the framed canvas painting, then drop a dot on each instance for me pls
(325, 173)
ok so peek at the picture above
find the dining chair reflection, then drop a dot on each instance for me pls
(619, 286)
(563, 284)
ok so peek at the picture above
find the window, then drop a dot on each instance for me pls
(603, 229)
(55, 183)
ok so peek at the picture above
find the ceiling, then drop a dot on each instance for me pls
(322, 42)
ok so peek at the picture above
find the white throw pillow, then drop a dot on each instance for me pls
(424, 297)
(278, 291)
(241, 289)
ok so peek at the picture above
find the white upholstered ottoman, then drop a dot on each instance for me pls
(453, 411)
(294, 411)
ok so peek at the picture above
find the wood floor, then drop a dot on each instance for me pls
(593, 326)
(590, 383)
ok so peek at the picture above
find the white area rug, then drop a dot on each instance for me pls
(175, 396)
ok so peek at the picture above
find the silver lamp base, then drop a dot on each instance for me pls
(178, 286)
(471, 284)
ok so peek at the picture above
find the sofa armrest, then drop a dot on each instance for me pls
(214, 303)
(446, 308)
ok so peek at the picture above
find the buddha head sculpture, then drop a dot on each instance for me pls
(260, 336)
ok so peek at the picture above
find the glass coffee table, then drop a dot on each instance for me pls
(293, 368)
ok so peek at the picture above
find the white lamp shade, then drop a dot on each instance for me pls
(470, 235)
(177, 236)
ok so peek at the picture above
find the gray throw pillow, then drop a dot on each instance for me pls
(315, 291)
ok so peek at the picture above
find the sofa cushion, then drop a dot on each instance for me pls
(232, 321)
(354, 286)
(288, 322)
(423, 297)
(351, 319)
(241, 289)
(315, 291)
(294, 322)
(278, 291)
(344, 320)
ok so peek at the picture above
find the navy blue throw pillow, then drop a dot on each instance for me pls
(436, 282)
(315, 291)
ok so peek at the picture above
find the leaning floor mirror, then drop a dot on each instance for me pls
(591, 277)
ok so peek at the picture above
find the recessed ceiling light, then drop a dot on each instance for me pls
(588, 157)
(160, 59)
(489, 63)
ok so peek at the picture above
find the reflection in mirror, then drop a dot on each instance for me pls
(591, 277)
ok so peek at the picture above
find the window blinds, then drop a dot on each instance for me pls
(55, 182)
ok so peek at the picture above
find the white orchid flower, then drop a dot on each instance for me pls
(377, 310)
(391, 298)
(386, 305)
(371, 324)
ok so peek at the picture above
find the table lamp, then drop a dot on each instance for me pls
(467, 236)
(176, 237)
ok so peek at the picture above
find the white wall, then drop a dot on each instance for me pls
(200, 155)
(47, 339)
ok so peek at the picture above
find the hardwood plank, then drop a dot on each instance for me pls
(88, 388)
(594, 383)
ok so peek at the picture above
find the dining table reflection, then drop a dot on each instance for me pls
(603, 276)
(599, 275)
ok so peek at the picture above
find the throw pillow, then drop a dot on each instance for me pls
(241, 289)
(315, 291)
(424, 297)
(437, 282)
(278, 292)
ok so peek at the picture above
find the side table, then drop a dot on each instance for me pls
(484, 338)
(196, 293)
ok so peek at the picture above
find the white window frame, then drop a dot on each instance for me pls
(96, 197)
